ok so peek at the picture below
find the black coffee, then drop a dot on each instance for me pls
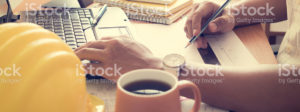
(147, 87)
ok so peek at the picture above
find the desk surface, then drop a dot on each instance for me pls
(255, 39)
(252, 36)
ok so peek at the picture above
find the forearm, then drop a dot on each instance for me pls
(259, 11)
(245, 88)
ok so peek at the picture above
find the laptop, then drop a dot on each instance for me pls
(71, 24)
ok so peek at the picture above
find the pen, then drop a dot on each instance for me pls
(207, 22)
(99, 15)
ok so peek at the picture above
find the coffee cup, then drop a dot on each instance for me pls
(150, 90)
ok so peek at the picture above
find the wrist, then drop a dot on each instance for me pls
(155, 63)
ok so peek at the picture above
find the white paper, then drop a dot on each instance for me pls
(166, 39)
(188, 105)
(230, 50)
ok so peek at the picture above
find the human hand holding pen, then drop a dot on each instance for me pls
(200, 14)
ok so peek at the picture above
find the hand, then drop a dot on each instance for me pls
(200, 14)
(116, 56)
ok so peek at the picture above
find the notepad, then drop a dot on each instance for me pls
(157, 13)
(156, 1)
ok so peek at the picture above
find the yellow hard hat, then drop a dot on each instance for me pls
(39, 72)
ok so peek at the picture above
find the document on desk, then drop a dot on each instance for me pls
(230, 50)
(166, 39)
(187, 105)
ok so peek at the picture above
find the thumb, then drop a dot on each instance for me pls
(220, 24)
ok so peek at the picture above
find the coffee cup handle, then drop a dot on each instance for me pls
(197, 95)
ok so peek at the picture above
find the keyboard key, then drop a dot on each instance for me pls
(87, 11)
(81, 41)
(81, 15)
(80, 44)
(79, 34)
(48, 26)
(74, 16)
(57, 23)
(69, 32)
(78, 31)
(67, 23)
(80, 10)
(56, 17)
(68, 29)
(80, 37)
(88, 16)
(60, 34)
(75, 20)
(40, 23)
(67, 26)
(58, 31)
(73, 11)
(84, 26)
(85, 22)
(77, 27)
(71, 43)
(58, 28)
(70, 40)
(84, 19)
(76, 24)
(69, 36)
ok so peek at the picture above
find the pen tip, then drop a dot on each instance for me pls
(187, 45)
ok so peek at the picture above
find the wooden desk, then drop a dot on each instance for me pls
(252, 36)
(255, 39)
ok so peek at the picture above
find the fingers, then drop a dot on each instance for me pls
(188, 28)
(100, 44)
(116, 37)
(213, 27)
(203, 12)
(107, 38)
(201, 42)
(92, 54)
(221, 24)
(194, 22)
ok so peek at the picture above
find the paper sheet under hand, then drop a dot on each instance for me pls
(230, 50)
(188, 105)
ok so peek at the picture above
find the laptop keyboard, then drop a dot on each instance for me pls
(68, 24)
